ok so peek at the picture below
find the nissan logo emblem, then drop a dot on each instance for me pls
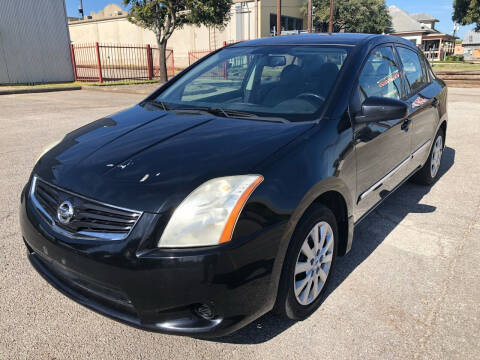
(65, 212)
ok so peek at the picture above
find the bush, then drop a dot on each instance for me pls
(454, 58)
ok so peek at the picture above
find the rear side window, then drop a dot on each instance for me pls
(380, 75)
(414, 71)
(428, 68)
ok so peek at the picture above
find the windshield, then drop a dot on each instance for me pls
(277, 82)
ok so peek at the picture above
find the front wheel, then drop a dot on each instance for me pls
(308, 266)
(428, 173)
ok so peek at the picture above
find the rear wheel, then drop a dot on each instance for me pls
(308, 266)
(429, 172)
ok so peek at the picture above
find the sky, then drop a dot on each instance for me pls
(88, 5)
(441, 9)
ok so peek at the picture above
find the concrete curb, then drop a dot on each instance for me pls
(121, 90)
(39, 90)
(457, 72)
(463, 83)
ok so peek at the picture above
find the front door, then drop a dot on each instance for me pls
(382, 148)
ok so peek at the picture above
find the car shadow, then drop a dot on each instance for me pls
(365, 242)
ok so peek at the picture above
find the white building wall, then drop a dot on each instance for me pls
(416, 39)
(242, 22)
(34, 42)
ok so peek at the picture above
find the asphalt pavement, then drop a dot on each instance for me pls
(409, 288)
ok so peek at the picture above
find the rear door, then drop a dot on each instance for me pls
(422, 98)
(382, 148)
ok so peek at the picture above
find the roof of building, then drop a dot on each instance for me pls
(424, 17)
(318, 39)
(472, 37)
(405, 22)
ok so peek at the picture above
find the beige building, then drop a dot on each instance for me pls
(458, 49)
(249, 20)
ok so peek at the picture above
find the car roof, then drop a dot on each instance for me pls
(323, 39)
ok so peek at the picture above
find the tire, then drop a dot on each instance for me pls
(429, 172)
(299, 306)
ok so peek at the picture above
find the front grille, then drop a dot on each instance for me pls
(90, 219)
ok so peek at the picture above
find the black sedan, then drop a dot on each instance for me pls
(232, 189)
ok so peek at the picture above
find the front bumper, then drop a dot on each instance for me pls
(158, 290)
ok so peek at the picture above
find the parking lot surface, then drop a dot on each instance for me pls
(410, 287)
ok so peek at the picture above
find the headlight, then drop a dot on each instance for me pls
(208, 215)
(48, 148)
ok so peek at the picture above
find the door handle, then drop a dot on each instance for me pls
(406, 124)
(435, 102)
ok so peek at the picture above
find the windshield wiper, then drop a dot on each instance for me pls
(233, 114)
(210, 110)
(159, 104)
(245, 115)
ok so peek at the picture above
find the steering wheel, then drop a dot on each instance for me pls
(312, 96)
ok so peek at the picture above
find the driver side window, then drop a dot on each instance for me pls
(380, 75)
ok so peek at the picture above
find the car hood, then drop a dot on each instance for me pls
(147, 159)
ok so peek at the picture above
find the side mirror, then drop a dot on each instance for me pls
(381, 109)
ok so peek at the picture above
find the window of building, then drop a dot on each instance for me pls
(287, 23)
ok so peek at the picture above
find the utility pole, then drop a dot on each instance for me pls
(279, 17)
(80, 8)
(309, 10)
(330, 23)
(256, 19)
(455, 29)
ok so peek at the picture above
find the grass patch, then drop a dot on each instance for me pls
(455, 66)
(123, 82)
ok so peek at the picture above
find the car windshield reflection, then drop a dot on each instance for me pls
(289, 82)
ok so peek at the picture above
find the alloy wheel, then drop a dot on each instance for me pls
(436, 156)
(313, 264)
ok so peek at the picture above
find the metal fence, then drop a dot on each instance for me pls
(232, 69)
(104, 62)
(198, 54)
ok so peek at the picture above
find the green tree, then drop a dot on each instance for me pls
(466, 12)
(357, 16)
(163, 17)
